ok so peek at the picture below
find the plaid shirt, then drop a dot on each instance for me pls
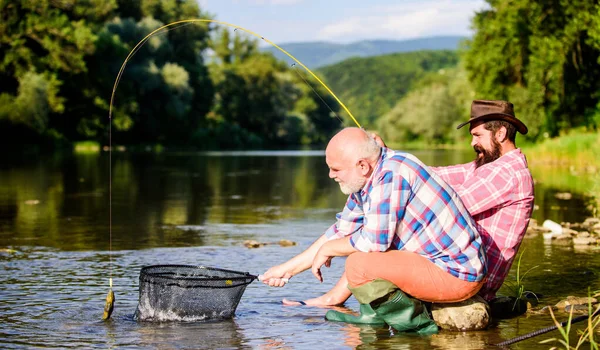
(405, 206)
(499, 196)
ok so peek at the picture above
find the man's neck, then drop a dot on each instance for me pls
(507, 148)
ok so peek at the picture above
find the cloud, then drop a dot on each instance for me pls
(409, 20)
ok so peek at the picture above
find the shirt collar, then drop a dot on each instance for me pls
(384, 154)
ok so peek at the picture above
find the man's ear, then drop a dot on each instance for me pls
(501, 134)
(364, 167)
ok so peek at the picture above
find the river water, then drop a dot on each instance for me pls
(199, 209)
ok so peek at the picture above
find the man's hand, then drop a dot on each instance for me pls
(275, 276)
(377, 139)
(320, 260)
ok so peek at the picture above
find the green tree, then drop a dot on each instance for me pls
(41, 42)
(541, 55)
(430, 112)
(370, 87)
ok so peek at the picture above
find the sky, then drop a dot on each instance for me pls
(345, 21)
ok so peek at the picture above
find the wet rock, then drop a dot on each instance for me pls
(253, 244)
(584, 240)
(572, 300)
(578, 309)
(568, 231)
(590, 222)
(468, 315)
(286, 243)
(256, 244)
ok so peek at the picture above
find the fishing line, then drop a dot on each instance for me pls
(163, 29)
(315, 91)
(143, 42)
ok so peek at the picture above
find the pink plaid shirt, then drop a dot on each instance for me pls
(499, 196)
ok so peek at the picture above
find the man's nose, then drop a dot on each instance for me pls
(331, 174)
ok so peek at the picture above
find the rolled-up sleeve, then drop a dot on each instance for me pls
(348, 221)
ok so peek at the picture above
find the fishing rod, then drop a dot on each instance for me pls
(547, 329)
(110, 297)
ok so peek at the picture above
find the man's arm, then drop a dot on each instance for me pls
(333, 248)
(349, 221)
(453, 175)
(301, 262)
(487, 189)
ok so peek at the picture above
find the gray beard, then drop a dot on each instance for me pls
(352, 187)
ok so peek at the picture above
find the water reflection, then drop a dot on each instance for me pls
(198, 209)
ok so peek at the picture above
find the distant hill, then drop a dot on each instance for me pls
(371, 86)
(317, 54)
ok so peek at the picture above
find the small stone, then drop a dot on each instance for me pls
(568, 231)
(572, 300)
(468, 315)
(578, 309)
(589, 222)
(584, 240)
(286, 243)
(252, 244)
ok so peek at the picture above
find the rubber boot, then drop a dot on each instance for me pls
(394, 307)
(367, 316)
(406, 314)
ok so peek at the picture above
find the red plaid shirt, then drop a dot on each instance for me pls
(499, 196)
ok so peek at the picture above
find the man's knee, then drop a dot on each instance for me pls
(355, 268)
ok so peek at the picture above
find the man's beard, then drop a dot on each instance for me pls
(352, 187)
(488, 156)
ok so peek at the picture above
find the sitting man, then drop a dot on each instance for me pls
(496, 188)
(403, 229)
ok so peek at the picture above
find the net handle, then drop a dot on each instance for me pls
(262, 278)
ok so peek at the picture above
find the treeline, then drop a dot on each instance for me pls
(205, 87)
(541, 55)
(196, 86)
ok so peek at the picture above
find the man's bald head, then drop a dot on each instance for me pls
(351, 156)
(353, 144)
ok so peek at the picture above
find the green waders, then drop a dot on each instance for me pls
(383, 303)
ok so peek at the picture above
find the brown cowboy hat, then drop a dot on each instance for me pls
(494, 110)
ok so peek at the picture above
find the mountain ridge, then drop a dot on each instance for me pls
(317, 54)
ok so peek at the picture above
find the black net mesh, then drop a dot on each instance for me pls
(189, 293)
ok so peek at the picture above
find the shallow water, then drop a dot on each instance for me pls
(198, 209)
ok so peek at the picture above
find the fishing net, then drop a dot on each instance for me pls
(189, 293)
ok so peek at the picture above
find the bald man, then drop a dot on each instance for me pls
(404, 231)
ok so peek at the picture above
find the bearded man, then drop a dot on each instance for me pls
(496, 188)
